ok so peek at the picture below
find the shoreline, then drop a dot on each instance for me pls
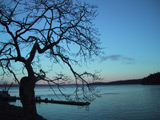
(12, 112)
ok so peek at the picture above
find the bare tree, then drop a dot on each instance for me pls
(49, 28)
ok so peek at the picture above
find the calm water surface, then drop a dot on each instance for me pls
(117, 102)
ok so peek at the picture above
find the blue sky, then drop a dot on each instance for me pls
(130, 34)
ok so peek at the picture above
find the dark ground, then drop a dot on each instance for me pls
(11, 112)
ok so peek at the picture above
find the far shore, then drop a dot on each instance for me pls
(136, 81)
(152, 79)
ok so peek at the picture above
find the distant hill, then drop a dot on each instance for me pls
(152, 79)
(121, 82)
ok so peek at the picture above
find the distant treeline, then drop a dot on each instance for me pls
(14, 85)
(152, 79)
(121, 82)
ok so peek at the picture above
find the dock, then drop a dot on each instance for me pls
(62, 102)
(46, 100)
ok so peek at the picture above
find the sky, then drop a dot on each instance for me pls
(130, 38)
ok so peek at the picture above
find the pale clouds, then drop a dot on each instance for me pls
(118, 57)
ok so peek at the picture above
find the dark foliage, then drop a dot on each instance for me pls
(153, 79)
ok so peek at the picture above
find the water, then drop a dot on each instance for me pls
(118, 102)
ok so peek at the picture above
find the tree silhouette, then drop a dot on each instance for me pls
(59, 30)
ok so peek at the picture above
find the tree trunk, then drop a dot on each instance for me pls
(27, 96)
